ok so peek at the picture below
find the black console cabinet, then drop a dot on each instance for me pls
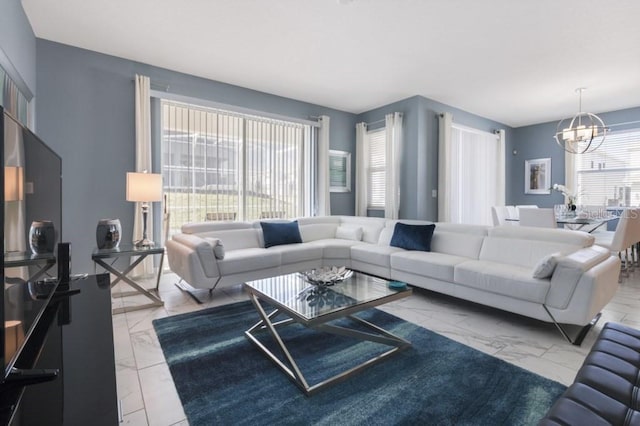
(79, 344)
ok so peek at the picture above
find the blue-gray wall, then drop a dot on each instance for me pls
(537, 141)
(17, 45)
(85, 112)
(419, 174)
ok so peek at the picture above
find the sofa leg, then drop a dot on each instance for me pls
(184, 286)
(581, 334)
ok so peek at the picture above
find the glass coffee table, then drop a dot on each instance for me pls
(293, 297)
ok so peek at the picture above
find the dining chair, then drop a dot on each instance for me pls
(624, 238)
(499, 214)
(512, 212)
(541, 218)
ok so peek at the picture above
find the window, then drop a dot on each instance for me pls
(376, 171)
(218, 165)
(610, 175)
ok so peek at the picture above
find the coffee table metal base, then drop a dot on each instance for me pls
(292, 370)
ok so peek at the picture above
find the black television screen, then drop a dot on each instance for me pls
(32, 194)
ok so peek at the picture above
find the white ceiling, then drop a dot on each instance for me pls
(516, 62)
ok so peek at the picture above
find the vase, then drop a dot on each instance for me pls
(42, 236)
(108, 233)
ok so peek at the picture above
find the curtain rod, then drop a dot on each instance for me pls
(379, 121)
(375, 122)
(227, 107)
(157, 86)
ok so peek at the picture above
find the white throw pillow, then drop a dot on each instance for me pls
(545, 266)
(218, 248)
(346, 232)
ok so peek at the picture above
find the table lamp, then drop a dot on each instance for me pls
(144, 188)
(13, 183)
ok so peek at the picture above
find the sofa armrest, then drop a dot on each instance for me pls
(192, 259)
(568, 272)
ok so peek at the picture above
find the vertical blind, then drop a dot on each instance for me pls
(376, 170)
(221, 165)
(610, 175)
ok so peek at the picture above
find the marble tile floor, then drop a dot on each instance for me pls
(148, 395)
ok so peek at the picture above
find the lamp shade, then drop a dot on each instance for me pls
(144, 187)
(13, 183)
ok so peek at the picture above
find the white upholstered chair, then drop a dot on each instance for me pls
(625, 237)
(541, 218)
(499, 214)
(512, 212)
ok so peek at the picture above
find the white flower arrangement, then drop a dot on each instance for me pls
(571, 197)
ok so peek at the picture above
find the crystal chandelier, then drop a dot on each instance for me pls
(583, 133)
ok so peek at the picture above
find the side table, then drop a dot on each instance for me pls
(107, 258)
(43, 262)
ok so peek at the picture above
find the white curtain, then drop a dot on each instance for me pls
(393, 156)
(362, 163)
(143, 163)
(501, 169)
(324, 196)
(445, 122)
(570, 173)
(476, 169)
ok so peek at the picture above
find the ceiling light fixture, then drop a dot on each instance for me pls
(584, 133)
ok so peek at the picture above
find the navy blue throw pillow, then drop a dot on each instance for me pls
(278, 233)
(412, 237)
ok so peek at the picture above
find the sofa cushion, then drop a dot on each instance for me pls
(235, 239)
(563, 236)
(278, 233)
(521, 252)
(545, 266)
(373, 253)
(499, 278)
(429, 264)
(218, 247)
(334, 248)
(294, 253)
(457, 244)
(317, 231)
(371, 226)
(249, 259)
(213, 226)
(349, 232)
(412, 237)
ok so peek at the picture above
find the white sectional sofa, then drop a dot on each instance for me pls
(488, 265)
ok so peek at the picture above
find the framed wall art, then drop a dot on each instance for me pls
(537, 176)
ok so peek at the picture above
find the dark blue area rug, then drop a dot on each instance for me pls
(223, 379)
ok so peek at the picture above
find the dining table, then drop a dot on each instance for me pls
(586, 222)
(580, 222)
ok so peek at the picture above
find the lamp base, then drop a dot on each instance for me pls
(145, 242)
